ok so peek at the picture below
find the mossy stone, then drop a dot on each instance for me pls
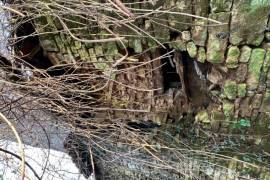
(98, 50)
(201, 56)
(230, 89)
(216, 118)
(242, 90)
(254, 68)
(191, 49)
(203, 117)
(266, 63)
(245, 54)
(228, 109)
(232, 57)
(215, 55)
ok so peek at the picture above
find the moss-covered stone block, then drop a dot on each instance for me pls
(191, 49)
(233, 57)
(60, 44)
(77, 44)
(216, 118)
(216, 47)
(245, 54)
(214, 53)
(265, 107)
(242, 90)
(230, 89)
(253, 20)
(228, 109)
(201, 56)
(98, 50)
(266, 63)
(202, 117)
(254, 67)
(92, 55)
(83, 52)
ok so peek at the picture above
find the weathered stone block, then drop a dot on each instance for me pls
(191, 49)
(216, 118)
(256, 101)
(245, 109)
(60, 44)
(232, 57)
(98, 50)
(199, 32)
(216, 47)
(242, 90)
(202, 117)
(254, 68)
(228, 109)
(215, 76)
(92, 55)
(245, 54)
(241, 73)
(253, 15)
(230, 89)
(266, 63)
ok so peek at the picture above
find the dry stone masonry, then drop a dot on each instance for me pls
(237, 53)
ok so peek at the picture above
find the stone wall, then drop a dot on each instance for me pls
(237, 52)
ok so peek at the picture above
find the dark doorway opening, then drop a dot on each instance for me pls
(171, 78)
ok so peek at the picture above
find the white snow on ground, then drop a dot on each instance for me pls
(55, 165)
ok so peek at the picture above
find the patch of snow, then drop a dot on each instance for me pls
(54, 164)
